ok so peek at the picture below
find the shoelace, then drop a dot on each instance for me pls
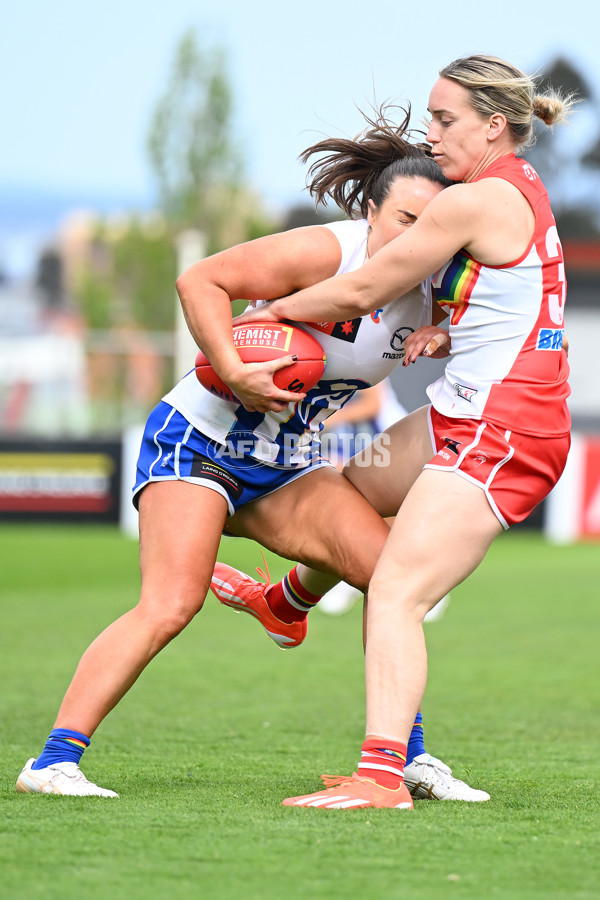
(70, 770)
(443, 774)
(331, 781)
(260, 588)
(79, 777)
(264, 574)
(438, 764)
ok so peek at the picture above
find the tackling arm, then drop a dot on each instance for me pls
(261, 269)
(445, 226)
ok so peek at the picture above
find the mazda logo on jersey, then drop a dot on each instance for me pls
(399, 336)
(397, 343)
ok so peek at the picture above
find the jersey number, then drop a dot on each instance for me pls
(556, 302)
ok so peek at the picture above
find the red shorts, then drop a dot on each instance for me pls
(516, 471)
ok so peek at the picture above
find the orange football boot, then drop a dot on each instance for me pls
(354, 792)
(244, 594)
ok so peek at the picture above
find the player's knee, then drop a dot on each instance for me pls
(170, 624)
(167, 617)
(393, 595)
(357, 572)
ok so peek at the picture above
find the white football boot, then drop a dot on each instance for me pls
(62, 778)
(438, 610)
(339, 600)
(428, 778)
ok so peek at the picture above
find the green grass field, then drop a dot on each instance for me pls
(223, 725)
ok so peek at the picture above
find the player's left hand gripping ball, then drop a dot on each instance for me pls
(262, 342)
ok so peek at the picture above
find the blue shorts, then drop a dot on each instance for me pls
(173, 450)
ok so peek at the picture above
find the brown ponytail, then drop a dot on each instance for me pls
(354, 171)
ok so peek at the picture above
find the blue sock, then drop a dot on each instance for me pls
(63, 745)
(415, 742)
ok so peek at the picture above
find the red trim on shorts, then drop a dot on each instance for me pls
(516, 471)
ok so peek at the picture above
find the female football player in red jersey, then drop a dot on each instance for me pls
(203, 458)
(495, 438)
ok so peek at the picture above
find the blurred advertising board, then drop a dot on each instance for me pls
(68, 480)
(573, 507)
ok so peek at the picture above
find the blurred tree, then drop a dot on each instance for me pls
(49, 279)
(144, 271)
(189, 141)
(307, 214)
(125, 285)
(562, 74)
(128, 279)
(197, 165)
(592, 157)
(570, 173)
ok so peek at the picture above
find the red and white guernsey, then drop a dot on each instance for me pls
(507, 325)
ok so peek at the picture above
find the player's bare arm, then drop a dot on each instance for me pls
(262, 269)
(442, 229)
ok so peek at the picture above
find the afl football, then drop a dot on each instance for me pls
(262, 342)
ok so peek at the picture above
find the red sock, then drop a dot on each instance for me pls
(289, 600)
(383, 760)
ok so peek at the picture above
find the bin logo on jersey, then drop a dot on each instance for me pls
(397, 343)
(345, 331)
(465, 392)
(550, 339)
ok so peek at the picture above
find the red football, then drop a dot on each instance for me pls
(262, 342)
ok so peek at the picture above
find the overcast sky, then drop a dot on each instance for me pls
(79, 81)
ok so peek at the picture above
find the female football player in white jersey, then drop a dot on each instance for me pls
(495, 438)
(203, 458)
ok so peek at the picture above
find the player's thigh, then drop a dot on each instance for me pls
(320, 520)
(440, 535)
(385, 472)
(180, 530)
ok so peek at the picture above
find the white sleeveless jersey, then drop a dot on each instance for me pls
(359, 353)
(506, 365)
